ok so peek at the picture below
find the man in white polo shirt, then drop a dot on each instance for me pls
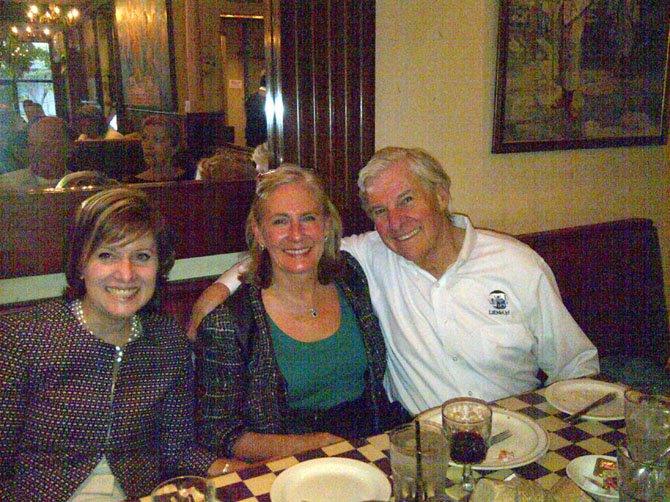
(465, 312)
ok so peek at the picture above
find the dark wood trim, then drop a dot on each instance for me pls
(328, 88)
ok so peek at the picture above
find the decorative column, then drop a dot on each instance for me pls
(195, 96)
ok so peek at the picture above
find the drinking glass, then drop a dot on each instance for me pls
(185, 489)
(647, 425)
(642, 481)
(467, 424)
(429, 473)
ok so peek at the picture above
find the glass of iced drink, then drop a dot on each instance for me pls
(419, 473)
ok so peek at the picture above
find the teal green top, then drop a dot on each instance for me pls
(327, 372)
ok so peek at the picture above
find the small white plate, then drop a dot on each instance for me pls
(528, 443)
(583, 466)
(570, 396)
(328, 479)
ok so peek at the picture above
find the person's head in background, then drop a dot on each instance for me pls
(161, 138)
(261, 158)
(10, 122)
(90, 122)
(32, 110)
(116, 220)
(49, 145)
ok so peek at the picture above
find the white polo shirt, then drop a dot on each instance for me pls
(483, 329)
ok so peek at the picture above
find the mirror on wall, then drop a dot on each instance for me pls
(82, 57)
(33, 221)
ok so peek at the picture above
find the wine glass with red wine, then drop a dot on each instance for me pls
(467, 424)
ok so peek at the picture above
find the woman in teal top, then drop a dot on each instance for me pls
(295, 358)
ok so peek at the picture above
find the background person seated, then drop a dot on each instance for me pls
(32, 110)
(38, 156)
(231, 163)
(90, 123)
(164, 156)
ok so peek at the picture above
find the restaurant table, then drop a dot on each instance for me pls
(566, 442)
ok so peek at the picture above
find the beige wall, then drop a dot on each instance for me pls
(435, 77)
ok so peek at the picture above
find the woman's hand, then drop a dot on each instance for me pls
(224, 466)
(257, 447)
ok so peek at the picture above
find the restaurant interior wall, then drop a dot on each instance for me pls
(446, 107)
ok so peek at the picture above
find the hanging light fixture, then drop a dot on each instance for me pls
(44, 22)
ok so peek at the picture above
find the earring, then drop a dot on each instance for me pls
(261, 247)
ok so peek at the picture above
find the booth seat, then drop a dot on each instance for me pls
(611, 280)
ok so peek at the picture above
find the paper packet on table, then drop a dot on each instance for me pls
(522, 490)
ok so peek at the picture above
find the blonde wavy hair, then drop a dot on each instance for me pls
(259, 271)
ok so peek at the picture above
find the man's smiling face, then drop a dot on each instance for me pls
(410, 219)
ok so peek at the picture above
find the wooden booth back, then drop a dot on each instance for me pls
(611, 281)
(609, 275)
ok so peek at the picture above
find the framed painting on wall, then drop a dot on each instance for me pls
(581, 74)
(144, 31)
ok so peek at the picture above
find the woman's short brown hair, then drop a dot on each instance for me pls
(113, 216)
(260, 268)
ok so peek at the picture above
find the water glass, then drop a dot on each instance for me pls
(407, 465)
(642, 481)
(647, 425)
(185, 489)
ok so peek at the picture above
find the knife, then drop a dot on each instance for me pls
(610, 396)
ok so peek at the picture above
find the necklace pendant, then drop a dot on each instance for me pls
(314, 313)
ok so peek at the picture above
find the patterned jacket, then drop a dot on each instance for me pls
(239, 385)
(56, 406)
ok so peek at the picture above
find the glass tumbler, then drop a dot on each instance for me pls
(642, 481)
(185, 489)
(423, 471)
(647, 425)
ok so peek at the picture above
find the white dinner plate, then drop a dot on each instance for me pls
(328, 479)
(570, 396)
(579, 468)
(529, 441)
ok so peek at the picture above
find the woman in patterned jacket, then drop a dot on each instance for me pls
(294, 360)
(96, 389)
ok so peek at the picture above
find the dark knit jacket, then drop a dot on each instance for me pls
(239, 385)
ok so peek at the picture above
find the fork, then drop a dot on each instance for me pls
(500, 437)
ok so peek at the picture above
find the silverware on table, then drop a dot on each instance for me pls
(500, 437)
(610, 396)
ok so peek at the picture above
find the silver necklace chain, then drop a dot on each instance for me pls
(135, 328)
(313, 311)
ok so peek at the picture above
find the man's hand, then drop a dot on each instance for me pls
(212, 297)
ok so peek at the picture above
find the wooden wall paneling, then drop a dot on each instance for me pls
(327, 73)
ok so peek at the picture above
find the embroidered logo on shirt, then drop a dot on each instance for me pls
(498, 300)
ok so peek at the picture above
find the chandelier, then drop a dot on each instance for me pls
(44, 22)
